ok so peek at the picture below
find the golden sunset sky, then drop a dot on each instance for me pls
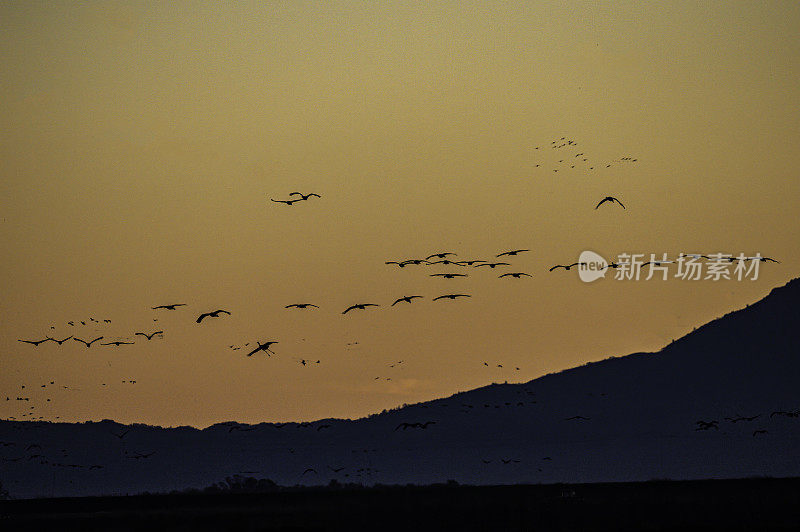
(142, 142)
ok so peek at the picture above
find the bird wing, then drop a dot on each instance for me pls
(348, 309)
(199, 319)
(254, 351)
(618, 201)
(601, 202)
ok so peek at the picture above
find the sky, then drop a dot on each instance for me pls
(141, 144)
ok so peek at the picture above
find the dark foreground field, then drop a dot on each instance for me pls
(751, 504)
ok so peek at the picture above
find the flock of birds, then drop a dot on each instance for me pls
(458, 268)
(701, 425)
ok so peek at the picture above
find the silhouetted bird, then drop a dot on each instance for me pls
(448, 275)
(35, 342)
(446, 262)
(170, 307)
(407, 299)
(359, 306)
(287, 202)
(301, 305)
(579, 418)
(59, 342)
(214, 314)
(566, 267)
(310, 470)
(120, 436)
(118, 343)
(88, 344)
(305, 196)
(439, 255)
(493, 265)
(741, 418)
(149, 336)
(515, 275)
(612, 199)
(468, 262)
(511, 253)
(262, 347)
(796, 413)
(705, 425)
(763, 259)
(451, 296)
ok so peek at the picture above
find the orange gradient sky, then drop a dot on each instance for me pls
(141, 144)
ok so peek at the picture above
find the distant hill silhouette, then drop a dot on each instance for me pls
(678, 413)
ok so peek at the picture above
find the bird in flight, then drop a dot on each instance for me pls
(214, 314)
(445, 261)
(763, 259)
(59, 342)
(439, 255)
(287, 202)
(451, 296)
(36, 342)
(170, 307)
(118, 343)
(448, 275)
(262, 347)
(741, 418)
(515, 275)
(305, 196)
(493, 265)
(301, 305)
(468, 262)
(360, 306)
(407, 299)
(511, 253)
(611, 199)
(149, 336)
(88, 344)
(565, 266)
